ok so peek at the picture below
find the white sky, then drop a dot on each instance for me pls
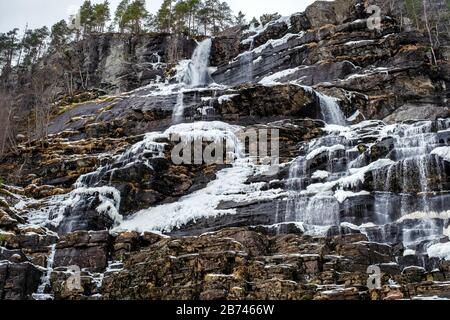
(37, 13)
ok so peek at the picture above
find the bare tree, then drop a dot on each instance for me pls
(427, 25)
(7, 128)
(43, 98)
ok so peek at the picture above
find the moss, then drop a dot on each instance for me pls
(1, 182)
(107, 108)
(3, 239)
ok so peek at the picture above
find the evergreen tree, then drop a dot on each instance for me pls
(60, 33)
(212, 10)
(119, 15)
(87, 16)
(101, 15)
(9, 45)
(164, 17)
(135, 15)
(181, 13)
(193, 7)
(254, 22)
(217, 14)
(204, 18)
(34, 44)
(268, 17)
(240, 19)
(225, 16)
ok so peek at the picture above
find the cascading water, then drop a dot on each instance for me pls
(329, 108)
(374, 174)
(331, 112)
(178, 112)
(246, 62)
(196, 74)
(45, 281)
(141, 152)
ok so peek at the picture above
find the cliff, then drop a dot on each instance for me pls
(363, 179)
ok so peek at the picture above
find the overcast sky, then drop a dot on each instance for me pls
(37, 13)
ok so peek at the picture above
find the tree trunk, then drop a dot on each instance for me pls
(425, 13)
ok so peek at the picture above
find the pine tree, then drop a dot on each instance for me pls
(101, 15)
(119, 15)
(193, 7)
(181, 12)
(131, 16)
(9, 45)
(164, 17)
(217, 14)
(268, 17)
(60, 33)
(204, 18)
(240, 19)
(225, 16)
(87, 16)
(212, 9)
(33, 44)
(134, 16)
(254, 22)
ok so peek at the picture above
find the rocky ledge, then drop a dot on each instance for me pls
(236, 263)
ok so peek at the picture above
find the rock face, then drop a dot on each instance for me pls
(236, 263)
(105, 209)
(18, 281)
(119, 62)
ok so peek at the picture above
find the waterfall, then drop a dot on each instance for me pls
(178, 111)
(330, 180)
(329, 108)
(412, 147)
(331, 112)
(246, 62)
(140, 152)
(197, 73)
(45, 281)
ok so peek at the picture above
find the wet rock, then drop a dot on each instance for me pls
(413, 274)
(84, 213)
(14, 256)
(336, 12)
(339, 294)
(225, 46)
(7, 222)
(411, 111)
(18, 281)
(83, 249)
(257, 101)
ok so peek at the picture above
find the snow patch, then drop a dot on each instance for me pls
(443, 152)
(440, 250)
(320, 174)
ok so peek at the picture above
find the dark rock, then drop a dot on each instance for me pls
(18, 281)
(83, 249)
